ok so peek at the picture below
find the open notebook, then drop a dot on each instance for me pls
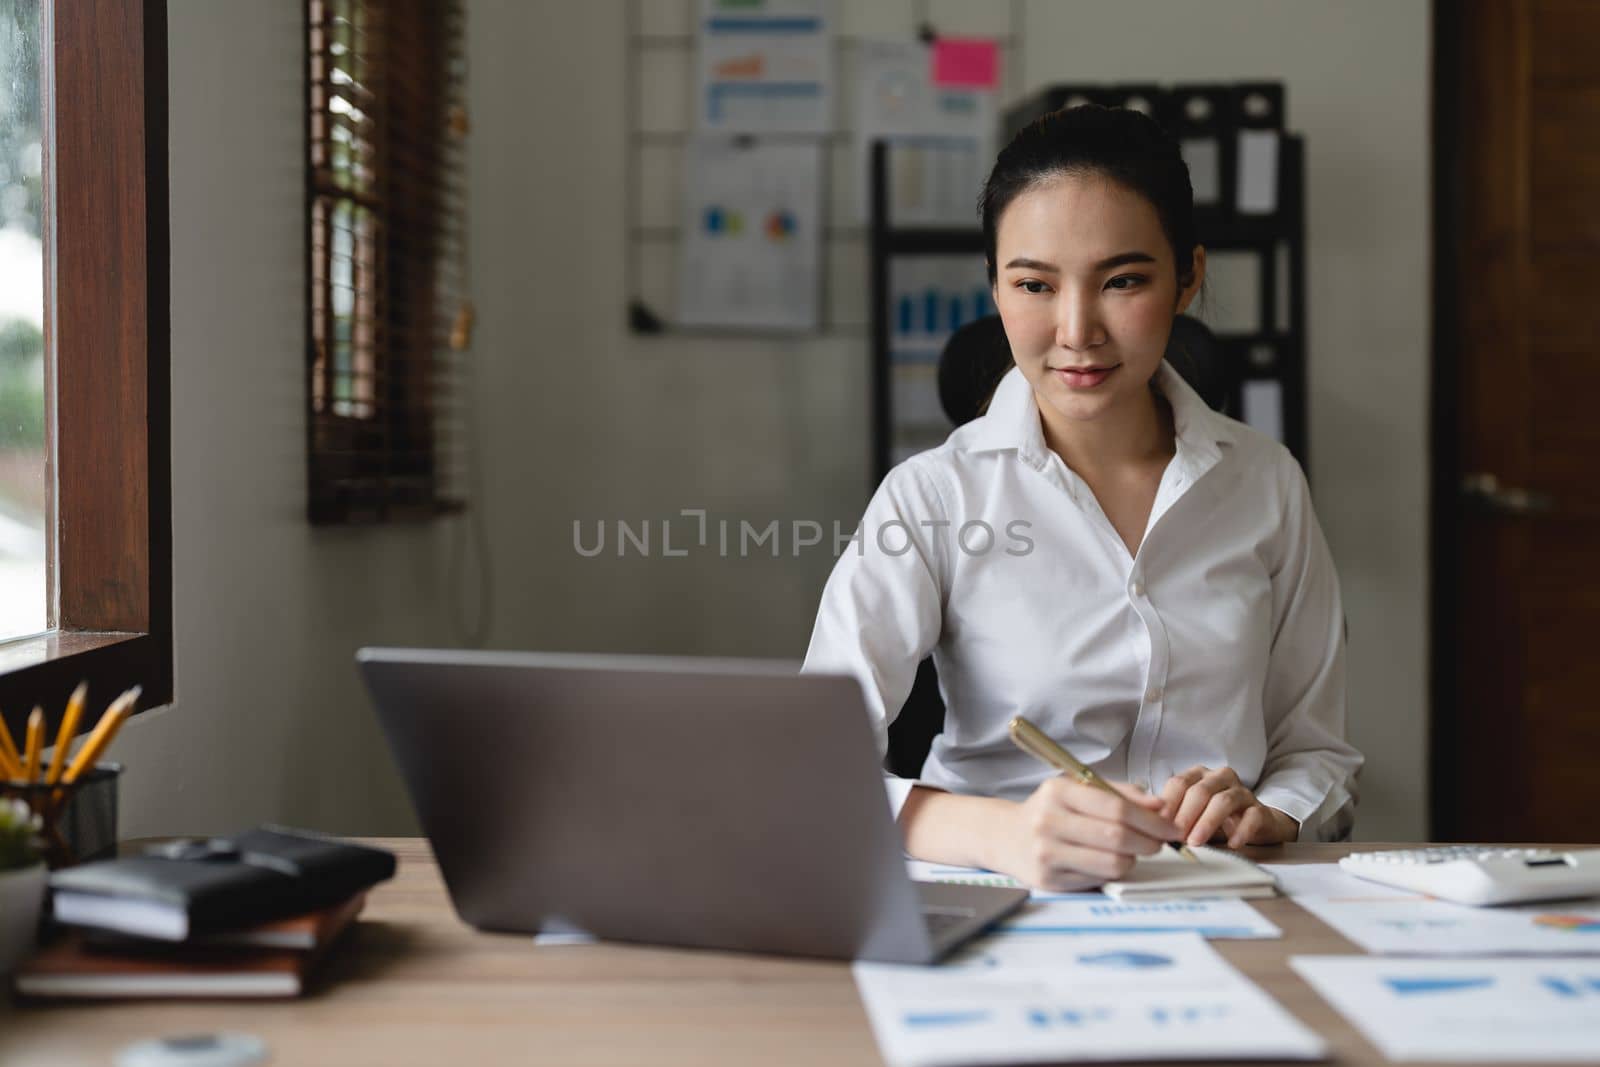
(1169, 875)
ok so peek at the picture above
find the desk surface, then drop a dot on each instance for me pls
(413, 985)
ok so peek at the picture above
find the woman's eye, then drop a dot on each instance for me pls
(1132, 280)
(1032, 285)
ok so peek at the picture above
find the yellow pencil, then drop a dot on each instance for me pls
(35, 745)
(69, 730)
(10, 762)
(101, 736)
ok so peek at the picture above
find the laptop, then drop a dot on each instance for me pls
(719, 804)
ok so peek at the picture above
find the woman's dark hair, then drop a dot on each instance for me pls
(1126, 146)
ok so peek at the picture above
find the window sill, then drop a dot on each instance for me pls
(43, 670)
(23, 652)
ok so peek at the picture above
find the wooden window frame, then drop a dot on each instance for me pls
(108, 392)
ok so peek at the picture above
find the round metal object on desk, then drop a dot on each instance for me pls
(195, 1050)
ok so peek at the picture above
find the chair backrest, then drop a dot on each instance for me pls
(972, 363)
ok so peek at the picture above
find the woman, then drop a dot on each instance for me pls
(1100, 552)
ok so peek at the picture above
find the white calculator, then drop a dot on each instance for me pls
(1473, 874)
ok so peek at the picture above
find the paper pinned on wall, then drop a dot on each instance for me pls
(750, 256)
(942, 137)
(1258, 172)
(1518, 1011)
(765, 66)
(966, 63)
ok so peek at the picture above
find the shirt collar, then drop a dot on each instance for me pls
(1012, 421)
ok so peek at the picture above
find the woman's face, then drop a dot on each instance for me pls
(1087, 288)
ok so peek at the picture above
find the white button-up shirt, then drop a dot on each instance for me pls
(1220, 642)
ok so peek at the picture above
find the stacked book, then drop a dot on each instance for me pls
(247, 916)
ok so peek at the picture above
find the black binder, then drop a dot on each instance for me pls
(174, 891)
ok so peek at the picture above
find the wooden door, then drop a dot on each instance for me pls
(1516, 718)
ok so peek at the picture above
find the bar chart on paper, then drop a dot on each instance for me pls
(1010, 999)
(1517, 1010)
(930, 298)
(1070, 914)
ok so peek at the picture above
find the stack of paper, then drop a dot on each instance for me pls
(1400, 922)
(1472, 1006)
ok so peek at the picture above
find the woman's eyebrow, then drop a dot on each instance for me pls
(1033, 264)
(1124, 257)
(1105, 264)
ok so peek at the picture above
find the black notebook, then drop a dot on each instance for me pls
(190, 887)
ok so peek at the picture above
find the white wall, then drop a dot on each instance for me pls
(582, 421)
(587, 422)
(269, 721)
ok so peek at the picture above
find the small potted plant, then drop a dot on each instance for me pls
(22, 882)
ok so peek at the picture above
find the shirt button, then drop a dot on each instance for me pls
(1138, 587)
(1153, 695)
(1142, 784)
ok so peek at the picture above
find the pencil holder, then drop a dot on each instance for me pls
(80, 820)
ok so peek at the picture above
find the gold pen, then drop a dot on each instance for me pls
(1037, 744)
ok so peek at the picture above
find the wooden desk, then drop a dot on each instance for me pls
(413, 985)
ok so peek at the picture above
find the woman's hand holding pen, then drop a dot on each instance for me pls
(1207, 802)
(1067, 835)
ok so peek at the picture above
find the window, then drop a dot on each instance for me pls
(102, 210)
(23, 605)
(388, 315)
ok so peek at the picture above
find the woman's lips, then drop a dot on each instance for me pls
(1086, 378)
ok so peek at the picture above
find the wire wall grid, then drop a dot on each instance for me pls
(660, 105)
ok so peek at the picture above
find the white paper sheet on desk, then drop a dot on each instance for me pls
(1397, 922)
(1516, 1011)
(1122, 997)
(1328, 880)
(1095, 913)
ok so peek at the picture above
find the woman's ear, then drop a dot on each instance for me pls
(1197, 276)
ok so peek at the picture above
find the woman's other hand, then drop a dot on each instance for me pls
(1208, 803)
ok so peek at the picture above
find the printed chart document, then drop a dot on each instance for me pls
(765, 66)
(1516, 1011)
(1399, 922)
(940, 129)
(751, 235)
(1121, 997)
(1093, 912)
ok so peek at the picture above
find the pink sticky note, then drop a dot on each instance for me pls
(966, 63)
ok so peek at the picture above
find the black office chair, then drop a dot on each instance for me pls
(974, 360)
